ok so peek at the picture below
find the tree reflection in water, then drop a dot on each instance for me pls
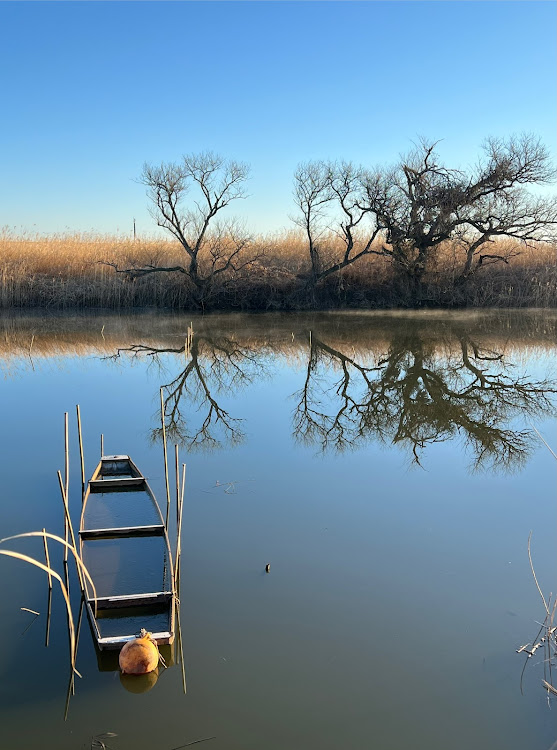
(408, 385)
(215, 366)
(414, 395)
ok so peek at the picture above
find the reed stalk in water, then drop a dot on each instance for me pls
(165, 452)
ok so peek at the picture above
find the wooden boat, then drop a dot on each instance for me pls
(124, 545)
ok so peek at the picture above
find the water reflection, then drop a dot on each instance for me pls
(345, 573)
(214, 367)
(404, 379)
(411, 394)
(407, 384)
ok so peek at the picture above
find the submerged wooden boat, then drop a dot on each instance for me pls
(124, 545)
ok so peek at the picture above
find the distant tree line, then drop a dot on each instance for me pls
(403, 213)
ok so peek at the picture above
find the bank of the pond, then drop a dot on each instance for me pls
(74, 272)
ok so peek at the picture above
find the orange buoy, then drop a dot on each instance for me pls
(139, 656)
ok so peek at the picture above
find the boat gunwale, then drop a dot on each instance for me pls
(101, 642)
(161, 638)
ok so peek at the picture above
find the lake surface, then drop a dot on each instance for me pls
(388, 468)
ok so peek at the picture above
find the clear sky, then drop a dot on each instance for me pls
(91, 90)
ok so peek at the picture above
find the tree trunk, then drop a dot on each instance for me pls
(201, 285)
(410, 270)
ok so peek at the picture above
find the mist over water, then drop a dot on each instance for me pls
(389, 468)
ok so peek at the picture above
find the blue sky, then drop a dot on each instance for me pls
(91, 90)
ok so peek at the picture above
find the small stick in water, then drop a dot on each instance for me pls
(47, 556)
(67, 512)
(66, 479)
(81, 450)
(165, 459)
(177, 467)
(179, 529)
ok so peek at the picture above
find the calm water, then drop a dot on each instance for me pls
(385, 466)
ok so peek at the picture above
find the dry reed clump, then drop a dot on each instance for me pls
(546, 638)
(69, 271)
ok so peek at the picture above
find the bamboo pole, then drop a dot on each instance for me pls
(66, 477)
(47, 558)
(77, 633)
(49, 605)
(180, 647)
(165, 459)
(66, 510)
(179, 531)
(48, 611)
(81, 451)
(177, 470)
(67, 581)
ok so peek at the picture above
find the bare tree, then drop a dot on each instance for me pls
(213, 249)
(329, 198)
(312, 195)
(420, 204)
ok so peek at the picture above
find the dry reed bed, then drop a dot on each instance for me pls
(66, 271)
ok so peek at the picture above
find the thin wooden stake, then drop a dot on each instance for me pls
(77, 633)
(180, 647)
(48, 611)
(179, 530)
(66, 477)
(81, 451)
(177, 470)
(165, 459)
(49, 606)
(47, 558)
(66, 510)
(67, 581)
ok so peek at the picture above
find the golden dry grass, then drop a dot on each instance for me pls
(66, 271)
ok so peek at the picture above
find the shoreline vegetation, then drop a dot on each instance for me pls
(414, 235)
(76, 271)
